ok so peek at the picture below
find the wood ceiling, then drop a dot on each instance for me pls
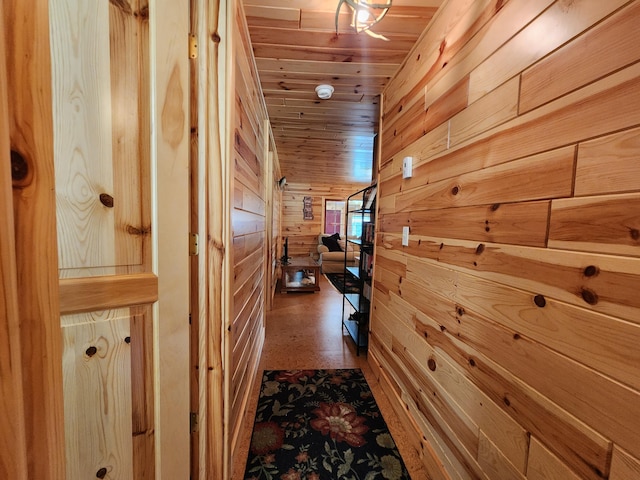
(296, 49)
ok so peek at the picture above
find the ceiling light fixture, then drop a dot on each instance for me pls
(324, 92)
(364, 15)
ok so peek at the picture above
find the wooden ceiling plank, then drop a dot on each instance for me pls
(327, 77)
(343, 68)
(341, 88)
(296, 52)
(278, 97)
(330, 5)
(279, 17)
(310, 38)
(394, 23)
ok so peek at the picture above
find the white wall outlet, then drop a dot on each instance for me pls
(407, 167)
(405, 236)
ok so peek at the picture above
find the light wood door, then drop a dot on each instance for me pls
(120, 107)
(95, 254)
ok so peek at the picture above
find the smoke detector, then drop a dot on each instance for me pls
(324, 92)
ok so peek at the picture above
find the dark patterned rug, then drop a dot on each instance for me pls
(338, 281)
(320, 424)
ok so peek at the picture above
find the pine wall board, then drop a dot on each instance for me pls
(506, 330)
(250, 178)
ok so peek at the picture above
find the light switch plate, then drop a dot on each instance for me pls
(407, 167)
(405, 236)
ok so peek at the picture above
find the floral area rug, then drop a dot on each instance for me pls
(320, 424)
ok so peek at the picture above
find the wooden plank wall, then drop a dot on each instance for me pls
(303, 234)
(507, 331)
(248, 229)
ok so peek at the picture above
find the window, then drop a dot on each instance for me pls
(333, 216)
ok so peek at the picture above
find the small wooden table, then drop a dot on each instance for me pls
(300, 275)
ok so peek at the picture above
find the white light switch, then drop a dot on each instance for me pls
(407, 167)
(405, 236)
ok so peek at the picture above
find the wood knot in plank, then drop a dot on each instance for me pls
(91, 351)
(21, 173)
(101, 473)
(634, 233)
(142, 231)
(480, 249)
(106, 200)
(540, 301)
(589, 296)
(591, 271)
(432, 364)
(215, 37)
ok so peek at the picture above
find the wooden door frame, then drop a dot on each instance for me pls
(169, 27)
(13, 443)
(26, 26)
(210, 200)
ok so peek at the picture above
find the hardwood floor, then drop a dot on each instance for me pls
(304, 330)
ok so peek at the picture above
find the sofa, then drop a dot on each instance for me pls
(333, 261)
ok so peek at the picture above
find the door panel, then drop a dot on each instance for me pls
(99, 104)
(97, 396)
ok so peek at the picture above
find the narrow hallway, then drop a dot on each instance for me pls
(303, 331)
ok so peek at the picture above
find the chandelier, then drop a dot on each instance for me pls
(365, 15)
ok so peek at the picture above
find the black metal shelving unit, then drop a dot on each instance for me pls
(360, 235)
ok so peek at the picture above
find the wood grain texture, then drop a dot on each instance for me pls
(605, 224)
(516, 295)
(249, 180)
(31, 134)
(583, 60)
(544, 465)
(13, 446)
(142, 394)
(535, 41)
(623, 465)
(169, 71)
(81, 72)
(103, 293)
(212, 192)
(608, 165)
(97, 376)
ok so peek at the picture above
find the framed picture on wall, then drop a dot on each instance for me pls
(307, 209)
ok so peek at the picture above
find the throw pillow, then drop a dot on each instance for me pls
(331, 243)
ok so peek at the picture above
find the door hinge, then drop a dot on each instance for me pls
(193, 46)
(194, 422)
(193, 244)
